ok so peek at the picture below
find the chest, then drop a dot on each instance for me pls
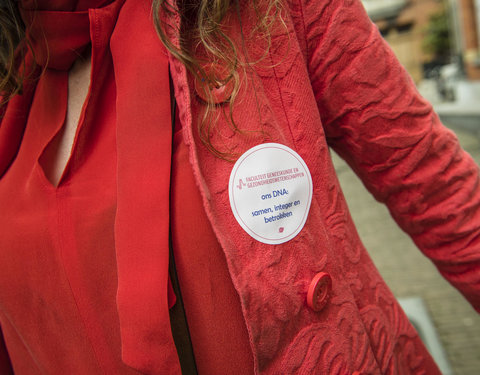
(59, 150)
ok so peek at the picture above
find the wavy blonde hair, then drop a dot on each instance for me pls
(203, 41)
(12, 51)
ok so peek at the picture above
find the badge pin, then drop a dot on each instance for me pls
(270, 191)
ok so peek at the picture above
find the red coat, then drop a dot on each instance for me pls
(331, 81)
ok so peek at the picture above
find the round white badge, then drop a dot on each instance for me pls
(270, 192)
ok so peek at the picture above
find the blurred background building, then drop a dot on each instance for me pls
(438, 43)
(427, 34)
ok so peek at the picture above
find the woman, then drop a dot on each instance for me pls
(87, 205)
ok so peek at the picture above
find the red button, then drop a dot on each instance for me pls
(221, 87)
(319, 291)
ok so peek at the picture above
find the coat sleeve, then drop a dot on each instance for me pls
(376, 120)
(5, 365)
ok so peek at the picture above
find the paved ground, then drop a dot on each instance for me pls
(409, 273)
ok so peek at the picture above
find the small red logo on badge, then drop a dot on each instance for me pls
(281, 229)
(240, 184)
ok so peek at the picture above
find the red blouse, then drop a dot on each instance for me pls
(57, 255)
(217, 329)
(58, 278)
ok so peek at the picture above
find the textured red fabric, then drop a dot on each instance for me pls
(80, 216)
(58, 278)
(144, 152)
(217, 328)
(58, 37)
(331, 80)
(14, 121)
(57, 46)
(142, 305)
